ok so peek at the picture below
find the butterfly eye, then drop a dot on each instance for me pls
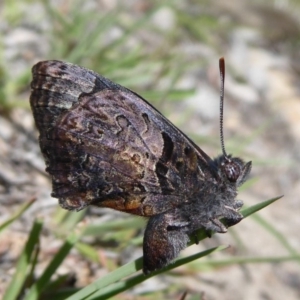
(231, 169)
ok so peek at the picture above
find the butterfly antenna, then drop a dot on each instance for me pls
(222, 76)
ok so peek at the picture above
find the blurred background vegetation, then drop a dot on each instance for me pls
(166, 51)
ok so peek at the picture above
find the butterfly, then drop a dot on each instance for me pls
(105, 145)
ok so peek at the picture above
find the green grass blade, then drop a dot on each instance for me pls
(17, 215)
(139, 23)
(118, 287)
(70, 220)
(36, 289)
(88, 251)
(247, 260)
(24, 263)
(126, 223)
(98, 288)
(112, 277)
(251, 210)
(132, 267)
(89, 42)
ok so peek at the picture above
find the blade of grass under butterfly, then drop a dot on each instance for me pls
(98, 288)
(132, 267)
(118, 287)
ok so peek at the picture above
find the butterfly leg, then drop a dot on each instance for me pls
(215, 225)
(164, 238)
(238, 204)
(231, 216)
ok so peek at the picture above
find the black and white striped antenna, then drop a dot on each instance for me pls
(222, 76)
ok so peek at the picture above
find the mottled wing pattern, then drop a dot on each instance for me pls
(106, 147)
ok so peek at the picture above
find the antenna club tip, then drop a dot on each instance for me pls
(222, 65)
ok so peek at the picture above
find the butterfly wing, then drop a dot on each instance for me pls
(105, 145)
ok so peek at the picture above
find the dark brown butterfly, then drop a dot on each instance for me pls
(105, 145)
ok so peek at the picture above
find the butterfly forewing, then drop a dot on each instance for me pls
(104, 145)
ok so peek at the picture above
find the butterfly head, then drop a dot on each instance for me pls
(234, 169)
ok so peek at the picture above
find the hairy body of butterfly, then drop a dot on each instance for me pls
(104, 145)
